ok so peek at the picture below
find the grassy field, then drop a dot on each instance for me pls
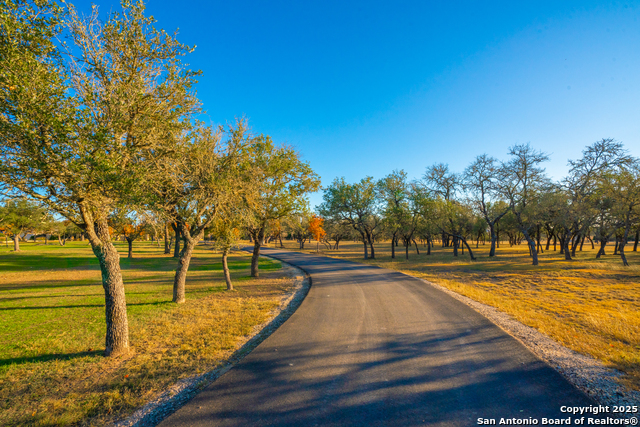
(52, 326)
(591, 306)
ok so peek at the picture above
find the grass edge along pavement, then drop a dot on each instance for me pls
(589, 306)
(52, 371)
(181, 392)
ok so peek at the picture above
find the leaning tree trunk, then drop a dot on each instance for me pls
(117, 337)
(370, 240)
(225, 269)
(417, 249)
(574, 244)
(532, 246)
(548, 240)
(603, 243)
(255, 258)
(180, 278)
(468, 247)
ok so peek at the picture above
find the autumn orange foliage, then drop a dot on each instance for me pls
(315, 227)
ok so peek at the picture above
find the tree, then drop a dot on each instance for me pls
(521, 182)
(280, 181)
(297, 226)
(79, 129)
(357, 205)
(401, 209)
(201, 178)
(582, 189)
(129, 224)
(481, 182)
(19, 216)
(316, 230)
(455, 220)
(336, 231)
(225, 232)
(625, 188)
(441, 182)
(392, 191)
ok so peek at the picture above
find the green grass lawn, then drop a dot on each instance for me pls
(52, 328)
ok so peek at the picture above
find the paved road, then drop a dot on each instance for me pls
(370, 346)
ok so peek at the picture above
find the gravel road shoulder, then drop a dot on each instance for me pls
(585, 372)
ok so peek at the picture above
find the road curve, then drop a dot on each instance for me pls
(370, 346)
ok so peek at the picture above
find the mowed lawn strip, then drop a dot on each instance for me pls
(591, 306)
(52, 325)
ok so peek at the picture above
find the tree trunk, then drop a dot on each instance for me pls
(615, 247)
(532, 245)
(167, 244)
(225, 269)
(429, 244)
(538, 239)
(130, 243)
(16, 243)
(178, 235)
(625, 238)
(635, 243)
(548, 240)
(373, 252)
(180, 278)
(364, 242)
(406, 248)
(393, 246)
(574, 244)
(455, 247)
(117, 337)
(417, 248)
(603, 243)
(469, 248)
(255, 258)
(565, 248)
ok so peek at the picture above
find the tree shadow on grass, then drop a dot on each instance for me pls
(43, 307)
(49, 357)
(36, 262)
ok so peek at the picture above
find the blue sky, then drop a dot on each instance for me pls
(363, 88)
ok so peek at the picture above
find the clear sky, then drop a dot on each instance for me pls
(365, 87)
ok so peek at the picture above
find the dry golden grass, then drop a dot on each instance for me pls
(591, 306)
(52, 372)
